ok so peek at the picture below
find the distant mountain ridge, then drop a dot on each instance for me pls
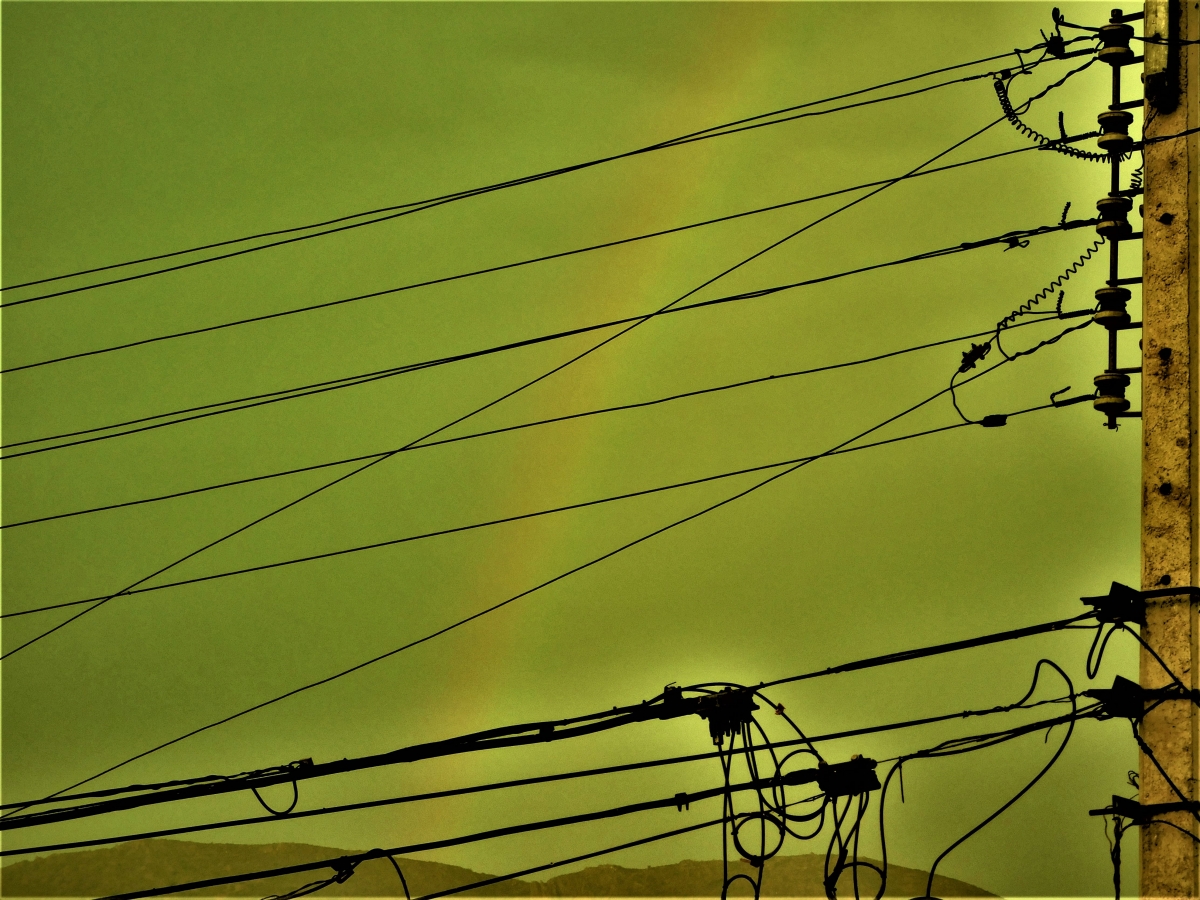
(144, 864)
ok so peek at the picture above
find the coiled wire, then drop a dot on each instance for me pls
(1036, 136)
(1027, 307)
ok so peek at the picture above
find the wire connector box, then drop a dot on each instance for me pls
(847, 779)
(727, 711)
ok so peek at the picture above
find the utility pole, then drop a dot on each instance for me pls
(1170, 860)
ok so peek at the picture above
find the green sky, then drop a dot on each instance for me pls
(132, 129)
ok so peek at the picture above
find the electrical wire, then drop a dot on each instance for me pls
(615, 243)
(1009, 357)
(533, 870)
(503, 430)
(412, 798)
(489, 834)
(524, 872)
(1038, 777)
(1166, 137)
(150, 799)
(678, 800)
(236, 253)
(504, 520)
(1150, 755)
(1001, 85)
(938, 649)
(525, 593)
(476, 525)
(1027, 308)
(450, 424)
(253, 401)
(977, 742)
(1157, 658)
(429, 203)
(479, 409)
(1161, 41)
(209, 785)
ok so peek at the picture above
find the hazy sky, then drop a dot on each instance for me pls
(134, 129)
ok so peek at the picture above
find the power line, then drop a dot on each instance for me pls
(677, 800)
(459, 529)
(476, 525)
(253, 401)
(527, 592)
(513, 735)
(452, 198)
(155, 892)
(450, 424)
(245, 402)
(500, 399)
(888, 659)
(505, 429)
(519, 782)
(533, 870)
(530, 871)
(489, 834)
(421, 205)
(498, 268)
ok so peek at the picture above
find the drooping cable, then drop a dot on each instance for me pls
(1038, 777)
(1009, 357)
(1001, 84)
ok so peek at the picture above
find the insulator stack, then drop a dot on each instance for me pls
(1112, 223)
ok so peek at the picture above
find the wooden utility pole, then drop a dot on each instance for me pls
(1170, 860)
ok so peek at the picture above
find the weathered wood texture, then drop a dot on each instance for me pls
(1170, 861)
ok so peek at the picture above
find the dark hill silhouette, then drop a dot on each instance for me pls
(143, 864)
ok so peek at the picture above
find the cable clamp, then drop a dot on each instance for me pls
(1141, 813)
(682, 802)
(1122, 604)
(1127, 700)
(673, 705)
